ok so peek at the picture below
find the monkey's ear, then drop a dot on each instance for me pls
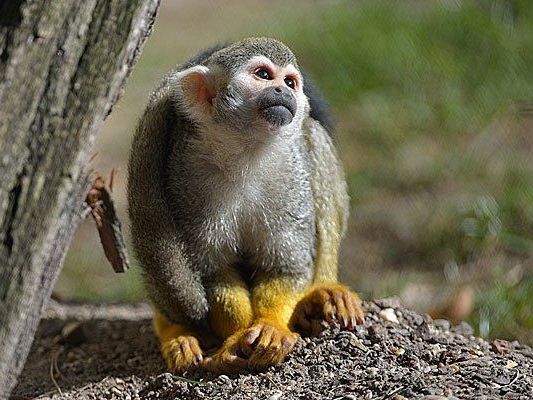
(199, 88)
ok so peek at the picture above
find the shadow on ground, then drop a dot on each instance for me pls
(81, 346)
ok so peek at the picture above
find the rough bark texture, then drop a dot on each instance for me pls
(110, 352)
(62, 67)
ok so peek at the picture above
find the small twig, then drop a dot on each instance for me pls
(193, 382)
(390, 394)
(514, 379)
(52, 375)
(271, 381)
(56, 367)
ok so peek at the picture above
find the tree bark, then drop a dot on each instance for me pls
(62, 67)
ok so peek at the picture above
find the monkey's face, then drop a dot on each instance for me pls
(259, 98)
(269, 91)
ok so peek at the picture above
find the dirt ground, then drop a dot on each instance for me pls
(110, 352)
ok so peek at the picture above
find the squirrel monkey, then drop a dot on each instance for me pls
(237, 203)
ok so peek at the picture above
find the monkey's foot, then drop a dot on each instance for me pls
(182, 353)
(267, 343)
(229, 359)
(256, 348)
(330, 303)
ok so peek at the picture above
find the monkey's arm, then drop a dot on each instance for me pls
(162, 256)
(326, 299)
(174, 289)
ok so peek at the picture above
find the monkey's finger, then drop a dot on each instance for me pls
(268, 333)
(360, 315)
(264, 357)
(329, 311)
(342, 311)
(351, 310)
(322, 296)
(288, 342)
(356, 312)
(208, 364)
(303, 323)
(225, 364)
(236, 365)
(245, 349)
(251, 335)
(307, 309)
(316, 327)
(196, 350)
(186, 351)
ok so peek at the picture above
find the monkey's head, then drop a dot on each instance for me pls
(252, 88)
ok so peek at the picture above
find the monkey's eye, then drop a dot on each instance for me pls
(263, 74)
(289, 82)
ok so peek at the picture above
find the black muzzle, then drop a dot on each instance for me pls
(277, 105)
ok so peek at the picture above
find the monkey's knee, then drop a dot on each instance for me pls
(230, 310)
(330, 302)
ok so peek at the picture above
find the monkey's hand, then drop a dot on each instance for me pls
(264, 344)
(182, 353)
(330, 303)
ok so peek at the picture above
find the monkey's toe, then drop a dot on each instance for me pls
(182, 353)
(267, 344)
(229, 359)
(330, 303)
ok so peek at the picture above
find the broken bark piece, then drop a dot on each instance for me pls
(109, 227)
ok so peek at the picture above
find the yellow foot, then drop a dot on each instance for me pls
(182, 353)
(267, 343)
(330, 303)
(229, 359)
(256, 348)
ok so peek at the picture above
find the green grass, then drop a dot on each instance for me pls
(437, 150)
(504, 309)
(439, 167)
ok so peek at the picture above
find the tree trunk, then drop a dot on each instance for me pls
(62, 67)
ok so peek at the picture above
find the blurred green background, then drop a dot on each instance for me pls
(434, 107)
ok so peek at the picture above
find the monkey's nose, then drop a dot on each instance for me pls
(280, 92)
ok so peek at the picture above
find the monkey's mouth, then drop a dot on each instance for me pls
(277, 115)
(277, 106)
